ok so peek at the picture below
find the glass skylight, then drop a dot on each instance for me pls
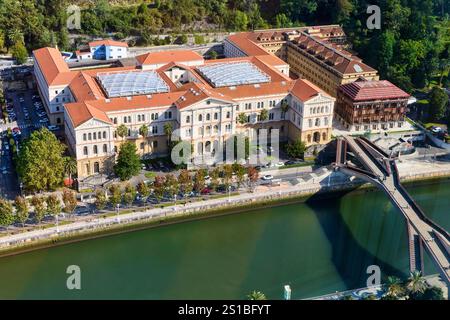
(120, 84)
(233, 74)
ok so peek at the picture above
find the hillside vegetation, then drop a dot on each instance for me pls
(411, 48)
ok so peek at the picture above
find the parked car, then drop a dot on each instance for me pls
(267, 177)
(43, 120)
(206, 191)
(436, 129)
(53, 128)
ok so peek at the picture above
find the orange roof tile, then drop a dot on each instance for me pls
(84, 87)
(80, 112)
(305, 90)
(52, 66)
(165, 57)
(108, 42)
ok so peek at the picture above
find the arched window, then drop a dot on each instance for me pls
(208, 117)
(324, 136)
(325, 120)
(216, 129)
(95, 135)
(200, 117)
(104, 134)
(310, 123)
(85, 151)
(208, 146)
(96, 167)
(317, 122)
(84, 136)
(90, 136)
(208, 130)
(216, 116)
(200, 131)
(105, 148)
(95, 150)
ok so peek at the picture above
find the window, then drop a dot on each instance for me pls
(188, 119)
(168, 115)
(95, 135)
(95, 150)
(200, 117)
(104, 134)
(188, 132)
(57, 100)
(208, 130)
(105, 148)
(310, 123)
(216, 116)
(84, 136)
(208, 117)
(90, 136)
(216, 129)
(271, 116)
(85, 151)
(200, 131)
(228, 114)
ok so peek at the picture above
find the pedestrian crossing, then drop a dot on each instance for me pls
(21, 126)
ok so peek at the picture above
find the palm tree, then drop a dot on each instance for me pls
(143, 131)
(416, 283)
(122, 131)
(168, 129)
(393, 287)
(70, 166)
(256, 295)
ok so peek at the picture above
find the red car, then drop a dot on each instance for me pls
(206, 191)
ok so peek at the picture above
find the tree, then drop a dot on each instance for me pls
(53, 205)
(431, 293)
(128, 162)
(168, 129)
(296, 149)
(70, 201)
(6, 213)
(185, 181)
(213, 54)
(143, 190)
(115, 195)
(158, 187)
(143, 131)
(171, 185)
(394, 287)
(242, 118)
(438, 101)
(40, 163)
(256, 295)
(214, 174)
(240, 171)
(264, 115)
(227, 175)
(129, 195)
(22, 210)
(70, 166)
(39, 208)
(253, 175)
(19, 53)
(199, 181)
(282, 21)
(122, 131)
(100, 200)
(416, 283)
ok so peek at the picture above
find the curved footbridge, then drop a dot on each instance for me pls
(361, 158)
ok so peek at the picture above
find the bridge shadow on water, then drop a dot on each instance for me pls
(349, 257)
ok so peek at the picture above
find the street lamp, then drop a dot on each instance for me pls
(117, 207)
(229, 193)
(57, 226)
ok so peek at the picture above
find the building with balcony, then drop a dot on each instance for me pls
(364, 106)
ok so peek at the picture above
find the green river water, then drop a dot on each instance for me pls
(317, 247)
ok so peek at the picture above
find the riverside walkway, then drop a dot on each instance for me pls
(381, 170)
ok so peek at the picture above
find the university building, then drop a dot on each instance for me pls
(202, 99)
(317, 54)
(364, 106)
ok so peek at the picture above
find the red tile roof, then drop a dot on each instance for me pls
(165, 57)
(108, 42)
(52, 66)
(305, 90)
(372, 90)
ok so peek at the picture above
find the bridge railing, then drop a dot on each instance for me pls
(414, 204)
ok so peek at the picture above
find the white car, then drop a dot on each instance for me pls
(267, 177)
(53, 128)
(436, 129)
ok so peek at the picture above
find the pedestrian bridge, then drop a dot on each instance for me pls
(360, 158)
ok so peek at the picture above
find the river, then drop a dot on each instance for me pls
(317, 247)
